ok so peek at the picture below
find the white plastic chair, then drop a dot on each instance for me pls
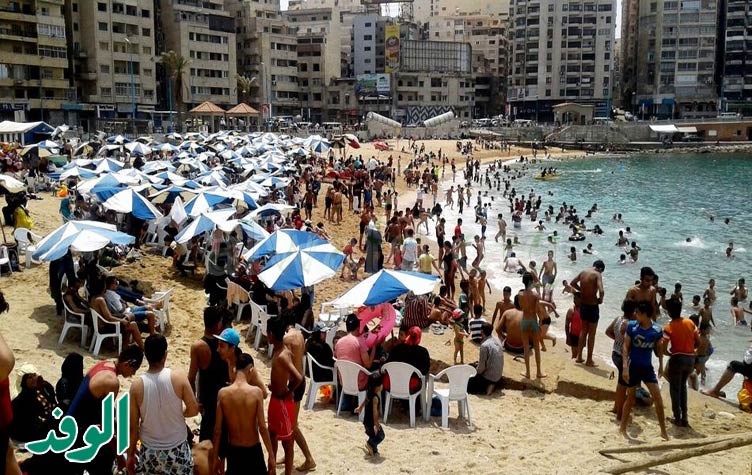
(313, 386)
(256, 309)
(348, 375)
(99, 337)
(5, 260)
(23, 238)
(241, 305)
(73, 320)
(399, 382)
(163, 314)
(261, 331)
(458, 377)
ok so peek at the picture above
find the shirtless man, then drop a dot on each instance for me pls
(337, 205)
(710, 292)
(503, 305)
(502, 228)
(589, 283)
(450, 198)
(240, 408)
(479, 246)
(547, 276)
(508, 329)
(529, 302)
(644, 291)
(740, 291)
(285, 379)
(294, 342)
(365, 217)
(737, 312)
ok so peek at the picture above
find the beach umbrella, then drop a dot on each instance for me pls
(352, 140)
(171, 177)
(157, 165)
(177, 212)
(80, 172)
(166, 147)
(269, 209)
(82, 236)
(11, 184)
(169, 194)
(242, 197)
(302, 268)
(283, 241)
(204, 223)
(137, 148)
(83, 149)
(380, 146)
(205, 201)
(129, 201)
(108, 165)
(110, 180)
(118, 139)
(48, 144)
(253, 230)
(298, 151)
(385, 286)
(272, 180)
(214, 178)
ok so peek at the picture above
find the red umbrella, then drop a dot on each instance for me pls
(352, 140)
(381, 146)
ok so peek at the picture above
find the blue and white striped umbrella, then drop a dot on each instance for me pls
(129, 201)
(253, 230)
(302, 268)
(166, 147)
(77, 172)
(119, 139)
(385, 286)
(108, 165)
(137, 148)
(204, 223)
(82, 236)
(169, 194)
(283, 241)
(206, 201)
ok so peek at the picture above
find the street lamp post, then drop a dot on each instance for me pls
(133, 84)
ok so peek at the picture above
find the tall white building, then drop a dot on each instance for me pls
(560, 51)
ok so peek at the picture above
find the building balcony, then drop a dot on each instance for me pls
(9, 13)
(11, 33)
(88, 76)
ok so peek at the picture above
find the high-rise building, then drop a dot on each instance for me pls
(114, 68)
(318, 33)
(33, 60)
(677, 49)
(737, 61)
(423, 10)
(488, 36)
(202, 32)
(628, 54)
(367, 39)
(267, 51)
(560, 51)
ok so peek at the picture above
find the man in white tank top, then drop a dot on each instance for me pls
(158, 417)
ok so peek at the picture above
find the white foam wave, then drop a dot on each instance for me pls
(694, 242)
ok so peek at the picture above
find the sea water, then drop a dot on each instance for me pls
(664, 199)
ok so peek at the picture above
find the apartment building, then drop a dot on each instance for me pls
(488, 37)
(267, 50)
(203, 32)
(677, 48)
(318, 32)
(367, 39)
(628, 53)
(736, 89)
(561, 51)
(33, 60)
(434, 77)
(423, 10)
(113, 59)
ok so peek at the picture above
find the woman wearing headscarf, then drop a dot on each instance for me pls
(71, 375)
(412, 353)
(374, 254)
(32, 408)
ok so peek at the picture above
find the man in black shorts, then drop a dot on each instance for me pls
(590, 285)
(743, 367)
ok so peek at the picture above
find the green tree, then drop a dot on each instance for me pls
(244, 87)
(175, 66)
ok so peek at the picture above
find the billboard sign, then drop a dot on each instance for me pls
(379, 2)
(372, 85)
(392, 47)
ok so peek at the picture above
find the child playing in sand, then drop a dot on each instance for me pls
(371, 407)
(459, 336)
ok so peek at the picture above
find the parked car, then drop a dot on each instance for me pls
(692, 138)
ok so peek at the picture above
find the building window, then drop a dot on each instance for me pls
(75, 7)
(102, 7)
(105, 91)
(146, 32)
(367, 37)
(104, 68)
(147, 50)
(102, 26)
(104, 46)
(145, 13)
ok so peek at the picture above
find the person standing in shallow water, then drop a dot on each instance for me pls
(590, 285)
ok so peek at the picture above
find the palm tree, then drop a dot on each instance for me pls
(175, 66)
(244, 86)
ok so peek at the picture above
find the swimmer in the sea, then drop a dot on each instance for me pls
(622, 241)
(588, 249)
(730, 251)
(737, 312)
(634, 252)
(622, 259)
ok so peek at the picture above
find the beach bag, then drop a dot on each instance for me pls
(745, 396)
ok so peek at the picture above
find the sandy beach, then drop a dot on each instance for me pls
(555, 426)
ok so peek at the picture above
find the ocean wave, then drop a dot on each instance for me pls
(597, 170)
(694, 242)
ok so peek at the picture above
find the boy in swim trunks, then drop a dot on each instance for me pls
(529, 301)
(285, 379)
(573, 325)
(547, 276)
(590, 285)
(240, 409)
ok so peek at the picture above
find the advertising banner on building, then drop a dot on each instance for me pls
(392, 48)
(372, 85)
